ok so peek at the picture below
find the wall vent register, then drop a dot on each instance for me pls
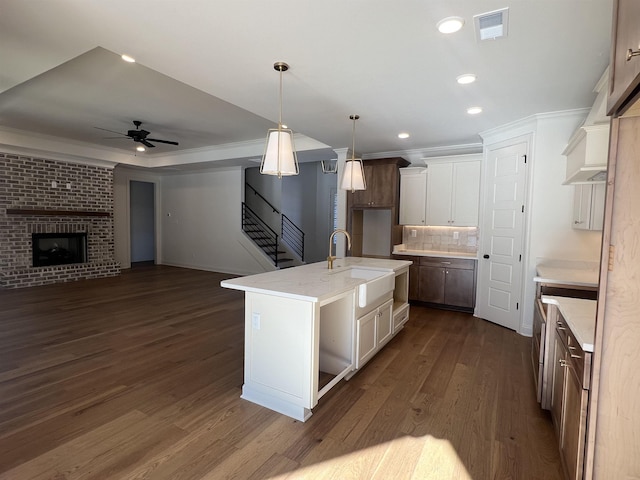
(492, 25)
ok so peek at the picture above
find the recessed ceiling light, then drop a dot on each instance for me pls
(128, 58)
(140, 148)
(403, 135)
(474, 110)
(450, 24)
(466, 78)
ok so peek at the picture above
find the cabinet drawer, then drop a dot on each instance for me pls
(400, 317)
(578, 360)
(462, 263)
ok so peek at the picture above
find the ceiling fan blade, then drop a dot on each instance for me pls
(146, 143)
(106, 130)
(163, 141)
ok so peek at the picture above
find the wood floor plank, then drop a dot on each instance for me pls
(139, 377)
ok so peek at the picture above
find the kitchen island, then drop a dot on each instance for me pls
(308, 327)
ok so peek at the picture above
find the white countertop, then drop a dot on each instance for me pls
(434, 253)
(313, 282)
(585, 274)
(580, 316)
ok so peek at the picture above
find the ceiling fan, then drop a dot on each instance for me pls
(140, 136)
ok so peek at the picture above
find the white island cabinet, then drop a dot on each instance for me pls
(304, 327)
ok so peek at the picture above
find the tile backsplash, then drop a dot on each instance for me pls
(440, 238)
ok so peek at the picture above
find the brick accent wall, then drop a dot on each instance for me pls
(26, 183)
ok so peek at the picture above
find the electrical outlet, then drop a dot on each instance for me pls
(414, 232)
(456, 235)
(255, 320)
(68, 186)
(54, 184)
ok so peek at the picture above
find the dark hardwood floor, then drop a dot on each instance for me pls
(139, 376)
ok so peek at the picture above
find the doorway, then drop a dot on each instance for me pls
(142, 222)
(502, 247)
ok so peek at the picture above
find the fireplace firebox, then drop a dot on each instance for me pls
(58, 248)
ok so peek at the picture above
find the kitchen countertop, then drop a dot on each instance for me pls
(434, 253)
(585, 274)
(313, 282)
(580, 316)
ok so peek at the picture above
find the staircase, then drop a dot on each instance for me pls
(264, 237)
(286, 248)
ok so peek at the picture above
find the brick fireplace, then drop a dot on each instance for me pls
(42, 196)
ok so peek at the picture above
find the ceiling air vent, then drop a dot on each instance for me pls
(492, 25)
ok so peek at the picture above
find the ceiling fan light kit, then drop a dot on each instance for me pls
(279, 156)
(140, 136)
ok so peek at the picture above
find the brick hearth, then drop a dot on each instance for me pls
(50, 196)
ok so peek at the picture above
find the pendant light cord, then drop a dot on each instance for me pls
(280, 112)
(353, 136)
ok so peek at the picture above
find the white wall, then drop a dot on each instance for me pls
(549, 233)
(551, 216)
(201, 223)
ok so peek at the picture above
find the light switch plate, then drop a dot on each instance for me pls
(255, 320)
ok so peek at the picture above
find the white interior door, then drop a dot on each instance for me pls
(501, 250)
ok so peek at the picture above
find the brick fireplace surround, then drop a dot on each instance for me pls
(35, 198)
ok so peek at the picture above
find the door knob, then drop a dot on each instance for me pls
(485, 255)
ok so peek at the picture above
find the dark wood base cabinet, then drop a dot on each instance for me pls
(569, 396)
(442, 282)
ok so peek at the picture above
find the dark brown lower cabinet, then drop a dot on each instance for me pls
(447, 281)
(414, 281)
(569, 398)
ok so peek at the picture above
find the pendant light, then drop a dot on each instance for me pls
(279, 153)
(353, 176)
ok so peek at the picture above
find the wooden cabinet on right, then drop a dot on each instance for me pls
(614, 408)
(625, 54)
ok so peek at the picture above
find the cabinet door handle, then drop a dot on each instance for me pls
(445, 263)
(632, 53)
(575, 356)
(485, 256)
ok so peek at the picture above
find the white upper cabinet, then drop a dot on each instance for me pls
(465, 197)
(588, 206)
(413, 196)
(453, 192)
